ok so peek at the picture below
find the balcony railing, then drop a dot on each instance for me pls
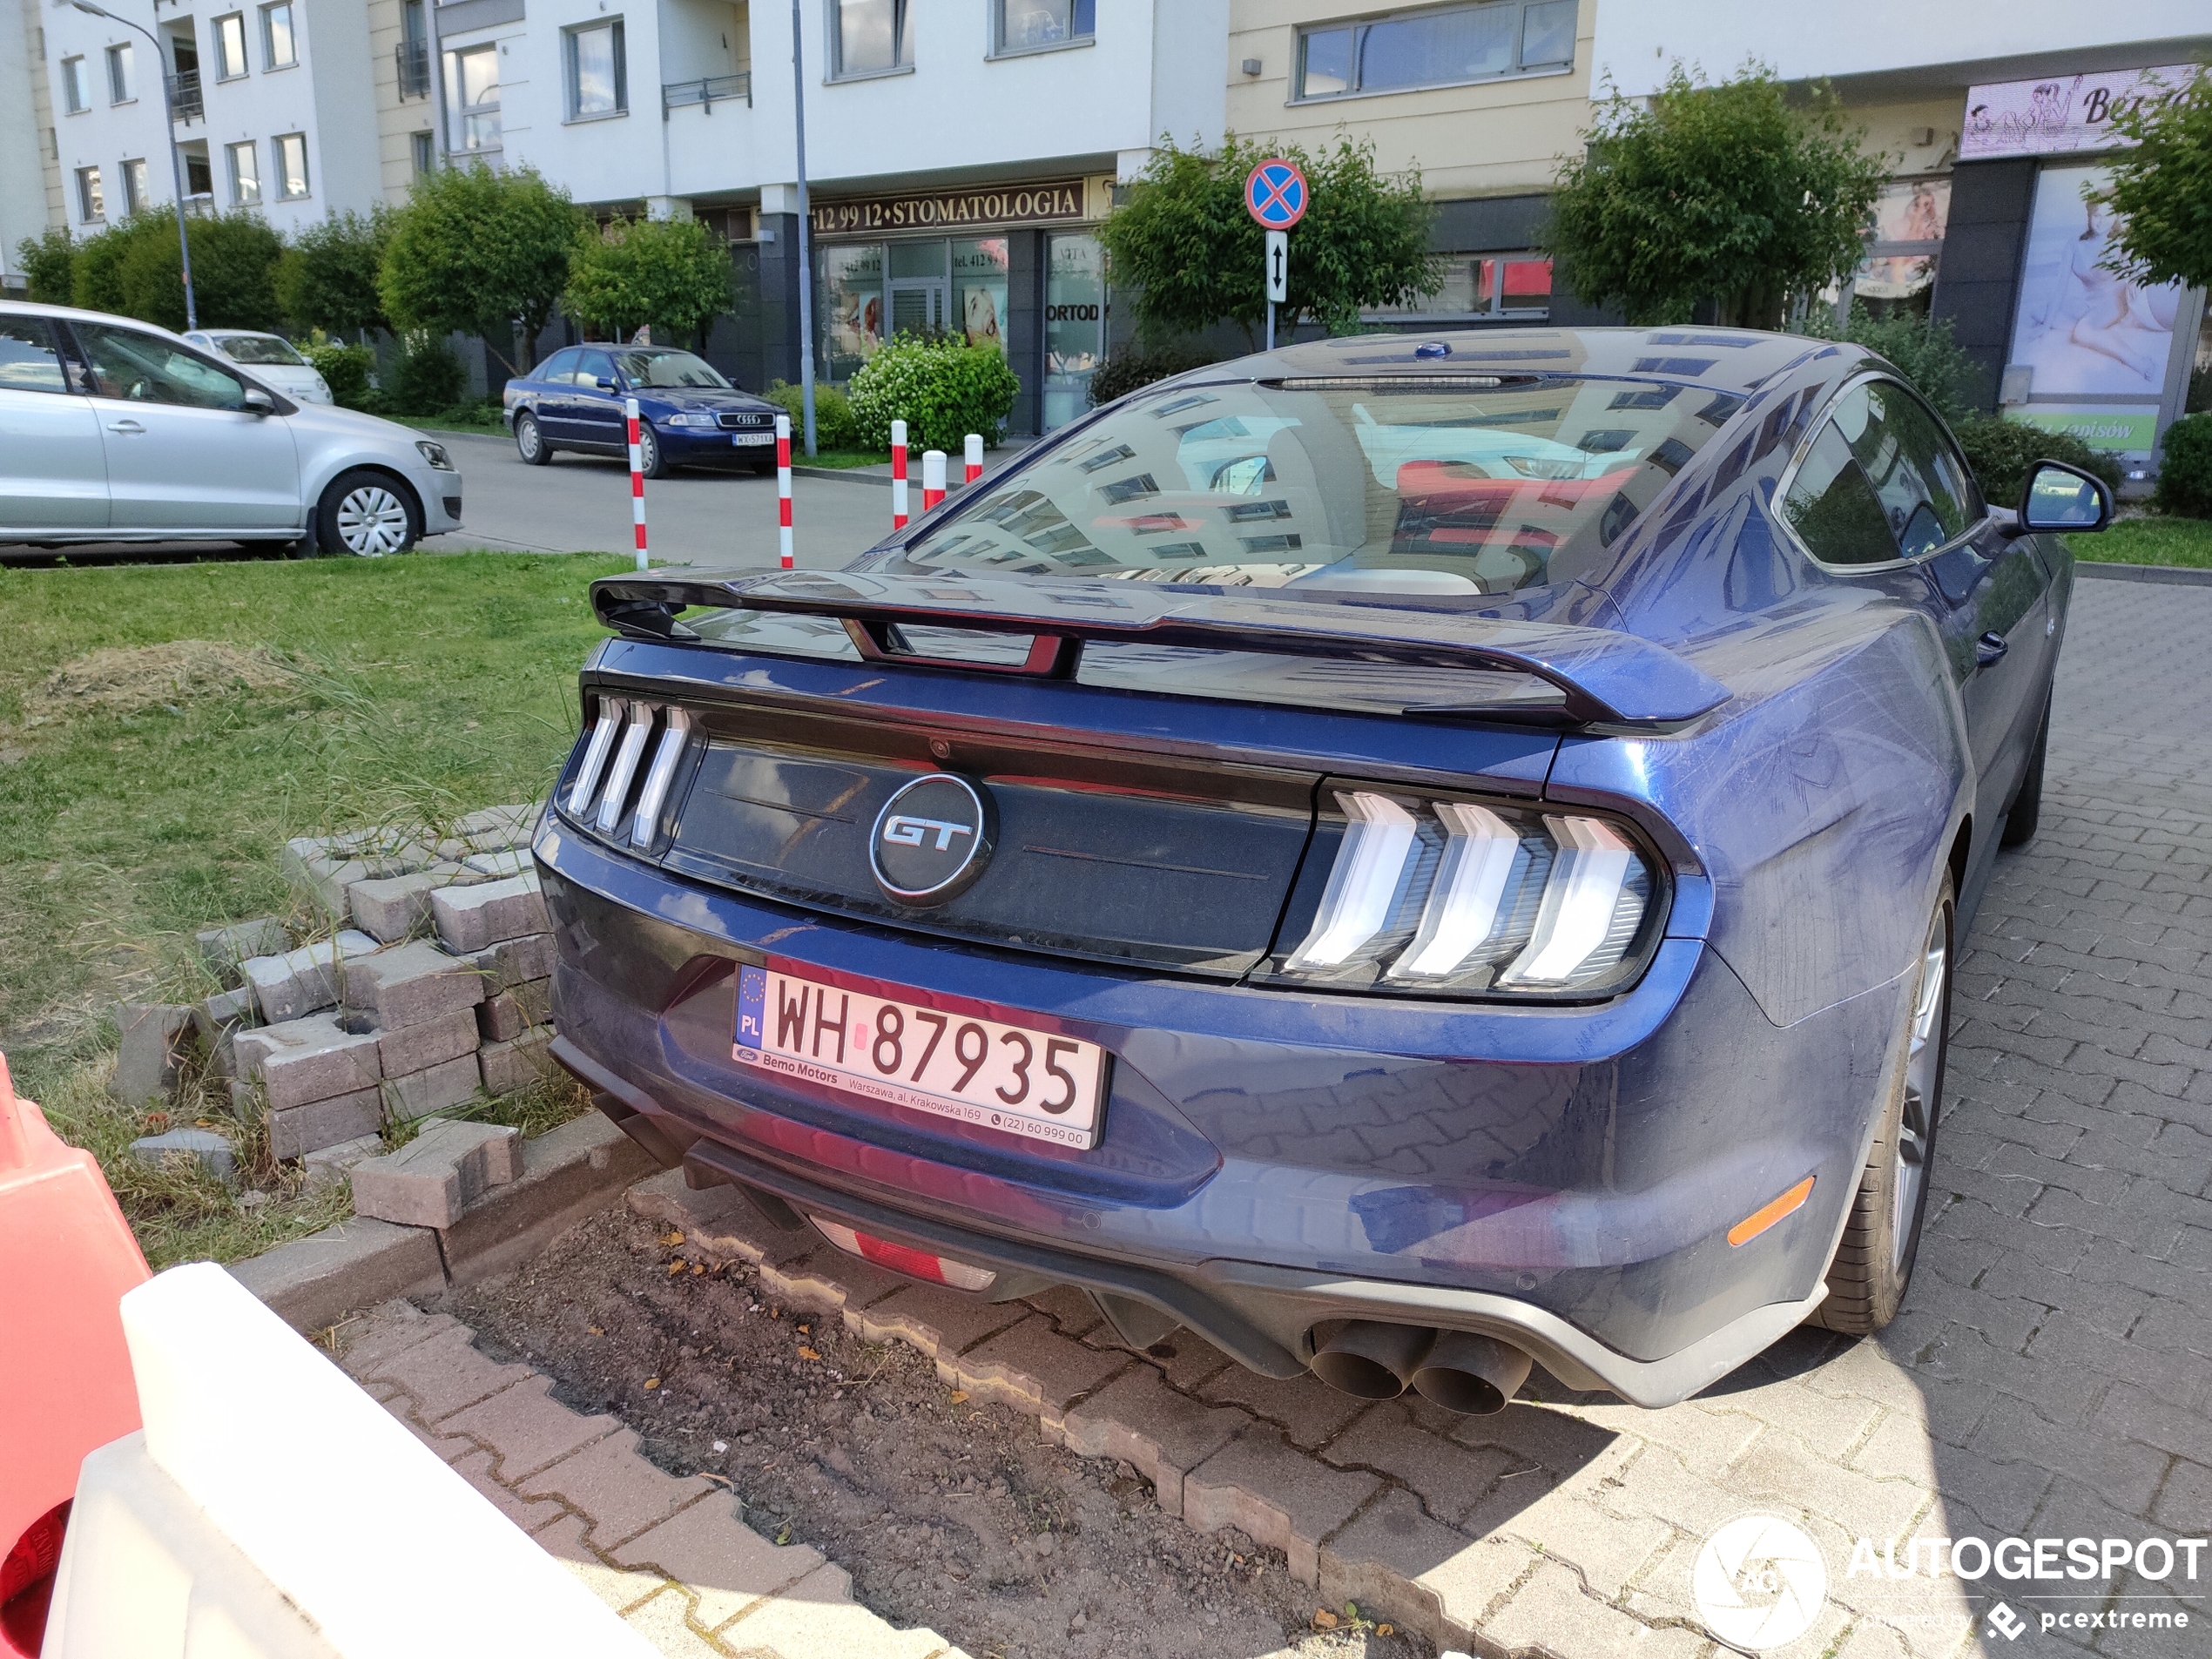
(715, 89)
(413, 57)
(184, 102)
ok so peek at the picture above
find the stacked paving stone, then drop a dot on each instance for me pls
(435, 981)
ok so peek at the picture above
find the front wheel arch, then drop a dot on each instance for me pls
(324, 519)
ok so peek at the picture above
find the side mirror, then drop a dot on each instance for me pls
(604, 384)
(2060, 497)
(257, 401)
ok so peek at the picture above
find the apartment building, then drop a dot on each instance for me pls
(30, 189)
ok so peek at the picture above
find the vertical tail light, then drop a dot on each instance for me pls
(634, 734)
(615, 760)
(654, 795)
(612, 712)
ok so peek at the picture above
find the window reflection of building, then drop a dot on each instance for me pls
(1075, 325)
(1483, 287)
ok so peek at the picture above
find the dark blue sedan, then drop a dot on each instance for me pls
(1409, 858)
(688, 414)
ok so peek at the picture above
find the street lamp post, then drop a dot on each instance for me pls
(169, 139)
(806, 252)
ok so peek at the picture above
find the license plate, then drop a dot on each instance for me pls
(753, 437)
(1009, 1078)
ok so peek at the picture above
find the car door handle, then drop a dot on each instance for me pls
(1990, 647)
(124, 426)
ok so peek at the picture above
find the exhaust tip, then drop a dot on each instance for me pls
(1369, 1359)
(1471, 1375)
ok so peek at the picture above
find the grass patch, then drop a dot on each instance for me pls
(2149, 539)
(844, 458)
(488, 422)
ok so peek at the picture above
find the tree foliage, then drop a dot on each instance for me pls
(1724, 194)
(2162, 190)
(670, 273)
(327, 277)
(1184, 242)
(477, 252)
(1921, 348)
(47, 260)
(133, 269)
(941, 386)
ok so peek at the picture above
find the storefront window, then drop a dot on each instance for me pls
(979, 292)
(1899, 272)
(851, 307)
(1480, 287)
(1075, 325)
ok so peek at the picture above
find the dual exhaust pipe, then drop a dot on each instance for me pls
(1458, 1370)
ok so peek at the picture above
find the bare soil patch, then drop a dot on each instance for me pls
(947, 1514)
(122, 681)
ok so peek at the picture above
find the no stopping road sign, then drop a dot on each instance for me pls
(1275, 193)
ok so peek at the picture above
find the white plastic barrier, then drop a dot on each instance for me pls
(265, 1477)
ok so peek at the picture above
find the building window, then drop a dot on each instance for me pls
(77, 85)
(279, 49)
(92, 207)
(424, 147)
(230, 47)
(472, 96)
(1481, 287)
(245, 173)
(1443, 48)
(134, 187)
(1030, 25)
(871, 37)
(121, 88)
(199, 180)
(414, 51)
(291, 165)
(1075, 324)
(597, 82)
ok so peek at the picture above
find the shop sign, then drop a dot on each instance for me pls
(2060, 113)
(2119, 431)
(1053, 202)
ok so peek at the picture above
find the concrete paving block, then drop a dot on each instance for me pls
(224, 948)
(146, 1064)
(427, 1182)
(305, 981)
(299, 1061)
(497, 866)
(612, 1484)
(385, 1331)
(717, 1223)
(302, 1129)
(513, 962)
(436, 1089)
(445, 1373)
(469, 919)
(817, 1618)
(505, 1016)
(495, 828)
(725, 1564)
(417, 1048)
(213, 1018)
(1261, 1483)
(526, 1427)
(1399, 1564)
(510, 1066)
(1309, 1411)
(1554, 1611)
(329, 1165)
(247, 1102)
(1033, 1368)
(1449, 1479)
(313, 1282)
(941, 1323)
(1162, 1434)
(320, 869)
(568, 1173)
(211, 1152)
(393, 907)
(475, 1467)
(409, 985)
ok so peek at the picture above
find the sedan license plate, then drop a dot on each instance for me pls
(742, 438)
(1005, 1077)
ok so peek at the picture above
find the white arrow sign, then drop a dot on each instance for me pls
(1278, 266)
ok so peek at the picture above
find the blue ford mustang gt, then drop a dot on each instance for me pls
(688, 414)
(1409, 858)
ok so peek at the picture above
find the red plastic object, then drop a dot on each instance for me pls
(66, 1257)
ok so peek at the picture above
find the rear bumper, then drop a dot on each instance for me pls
(1560, 1178)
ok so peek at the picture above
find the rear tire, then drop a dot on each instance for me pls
(529, 442)
(1873, 1261)
(367, 515)
(2027, 809)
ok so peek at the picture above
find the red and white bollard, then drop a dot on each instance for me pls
(933, 478)
(898, 475)
(974, 458)
(783, 488)
(636, 478)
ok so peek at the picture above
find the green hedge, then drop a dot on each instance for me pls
(943, 389)
(2185, 468)
(346, 369)
(2001, 451)
(833, 427)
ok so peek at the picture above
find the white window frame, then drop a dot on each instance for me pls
(903, 21)
(1359, 26)
(241, 178)
(1068, 43)
(132, 176)
(457, 113)
(571, 71)
(269, 59)
(91, 199)
(122, 74)
(276, 154)
(223, 70)
(77, 85)
(422, 151)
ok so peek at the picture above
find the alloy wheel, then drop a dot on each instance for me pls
(1923, 1078)
(372, 522)
(527, 438)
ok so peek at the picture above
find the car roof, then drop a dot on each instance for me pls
(1730, 360)
(75, 314)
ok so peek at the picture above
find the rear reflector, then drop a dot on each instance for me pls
(902, 1259)
(1763, 1218)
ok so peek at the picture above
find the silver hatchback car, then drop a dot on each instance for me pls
(114, 430)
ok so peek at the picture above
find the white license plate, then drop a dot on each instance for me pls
(753, 437)
(1009, 1078)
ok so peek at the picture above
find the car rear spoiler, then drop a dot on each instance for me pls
(1604, 677)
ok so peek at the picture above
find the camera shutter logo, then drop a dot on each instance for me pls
(931, 839)
(1758, 1581)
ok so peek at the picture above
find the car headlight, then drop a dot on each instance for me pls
(1461, 897)
(692, 420)
(436, 454)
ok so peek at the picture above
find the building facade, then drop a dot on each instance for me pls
(30, 186)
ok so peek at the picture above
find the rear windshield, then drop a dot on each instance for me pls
(1413, 486)
(258, 350)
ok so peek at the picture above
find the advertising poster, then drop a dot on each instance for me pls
(1909, 217)
(2060, 112)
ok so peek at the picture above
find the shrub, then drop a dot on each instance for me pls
(2001, 451)
(474, 251)
(1920, 349)
(133, 269)
(46, 261)
(346, 369)
(327, 277)
(2185, 468)
(943, 389)
(427, 379)
(833, 427)
(670, 273)
(1130, 368)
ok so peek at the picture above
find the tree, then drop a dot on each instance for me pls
(133, 269)
(2162, 190)
(47, 260)
(1921, 348)
(1184, 242)
(477, 252)
(327, 277)
(1722, 193)
(670, 273)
